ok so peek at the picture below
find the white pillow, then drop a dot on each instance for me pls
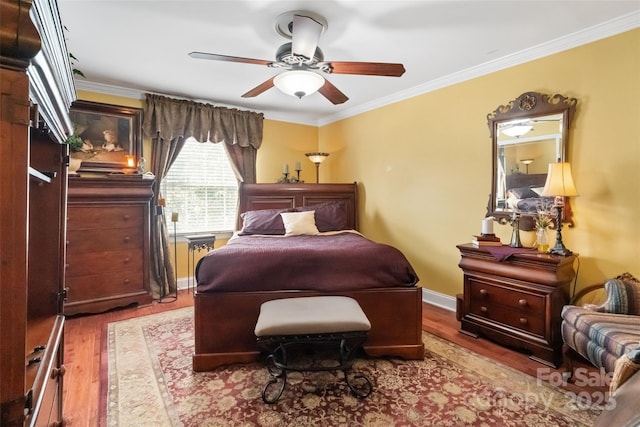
(297, 223)
(537, 190)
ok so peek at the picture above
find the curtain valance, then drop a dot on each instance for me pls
(171, 118)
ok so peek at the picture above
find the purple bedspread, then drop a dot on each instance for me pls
(344, 261)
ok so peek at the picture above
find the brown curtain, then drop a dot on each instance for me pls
(169, 122)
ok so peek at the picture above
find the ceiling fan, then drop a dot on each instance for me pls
(303, 60)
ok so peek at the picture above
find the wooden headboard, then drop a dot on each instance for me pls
(525, 180)
(285, 196)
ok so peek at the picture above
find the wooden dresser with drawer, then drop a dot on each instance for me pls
(516, 302)
(107, 243)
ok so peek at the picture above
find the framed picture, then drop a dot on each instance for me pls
(110, 137)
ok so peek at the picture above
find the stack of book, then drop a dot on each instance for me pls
(486, 240)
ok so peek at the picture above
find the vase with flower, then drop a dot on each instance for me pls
(544, 220)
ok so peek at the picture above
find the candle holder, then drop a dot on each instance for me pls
(286, 179)
(515, 233)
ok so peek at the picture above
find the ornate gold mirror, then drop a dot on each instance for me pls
(526, 135)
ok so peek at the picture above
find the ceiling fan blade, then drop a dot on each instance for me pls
(216, 57)
(262, 87)
(305, 35)
(367, 68)
(332, 93)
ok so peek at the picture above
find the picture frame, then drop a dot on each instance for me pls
(111, 137)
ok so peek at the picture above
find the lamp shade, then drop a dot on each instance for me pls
(298, 83)
(317, 157)
(559, 181)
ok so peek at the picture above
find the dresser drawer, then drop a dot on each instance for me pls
(104, 217)
(82, 241)
(103, 285)
(529, 322)
(101, 262)
(488, 294)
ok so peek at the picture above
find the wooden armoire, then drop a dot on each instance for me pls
(36, 91)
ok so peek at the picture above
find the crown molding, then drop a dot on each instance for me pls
(606, 29)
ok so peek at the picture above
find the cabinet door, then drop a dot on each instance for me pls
(47, 211)
(44, 333)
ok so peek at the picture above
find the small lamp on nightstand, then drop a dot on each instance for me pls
(559, 185)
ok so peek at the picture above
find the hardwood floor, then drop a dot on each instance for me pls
(84, 344)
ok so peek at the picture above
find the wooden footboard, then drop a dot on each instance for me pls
(224, 324)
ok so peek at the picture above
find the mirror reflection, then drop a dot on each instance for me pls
(525, 147)
(527, 134)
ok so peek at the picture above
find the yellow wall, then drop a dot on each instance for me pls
(286, 143)
(424, 164)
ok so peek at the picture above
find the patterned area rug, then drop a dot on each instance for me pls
(151, 383)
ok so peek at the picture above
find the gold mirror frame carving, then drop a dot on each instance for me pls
(529, 105)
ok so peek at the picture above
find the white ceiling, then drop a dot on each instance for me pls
(137, 46)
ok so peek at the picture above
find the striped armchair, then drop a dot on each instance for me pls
(605, 332)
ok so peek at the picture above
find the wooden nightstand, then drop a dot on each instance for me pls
(516, 302)
(197, 243)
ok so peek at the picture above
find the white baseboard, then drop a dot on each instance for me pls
(183, 282)
(441, 300)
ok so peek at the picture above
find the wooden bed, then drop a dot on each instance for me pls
(225, 321)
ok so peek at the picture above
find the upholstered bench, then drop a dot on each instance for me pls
(332, 321)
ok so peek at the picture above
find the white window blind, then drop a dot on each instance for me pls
(202, 189)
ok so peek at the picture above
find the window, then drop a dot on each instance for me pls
(202, 188)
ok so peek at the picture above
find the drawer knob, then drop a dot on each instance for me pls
(58, 372)
(127, 281)
(523, 321)
(126, 260)
(483, 292)
(523, 302)
(126, 217)
(483, 309)
(126, 239)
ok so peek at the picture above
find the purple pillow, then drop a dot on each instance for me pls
(523, 193)
(330, 216)
(264, 221)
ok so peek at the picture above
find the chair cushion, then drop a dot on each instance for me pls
(623, 296)
(311, 315)
(617, 333)
(597, 355)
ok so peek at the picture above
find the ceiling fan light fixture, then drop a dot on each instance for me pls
(298, 83)
(517, 130)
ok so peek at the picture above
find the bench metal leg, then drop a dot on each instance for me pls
(278, 366)
(278, 374)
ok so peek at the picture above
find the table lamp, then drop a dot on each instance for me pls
(559, 184)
